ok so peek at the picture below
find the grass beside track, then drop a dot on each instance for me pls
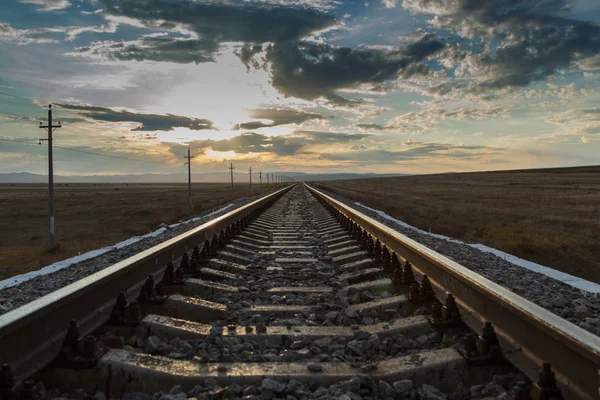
(551, 217)
(91, 216)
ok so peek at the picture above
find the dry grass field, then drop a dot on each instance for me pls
(90, 216)
(551, 217)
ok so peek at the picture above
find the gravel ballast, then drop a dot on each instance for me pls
(575, 305)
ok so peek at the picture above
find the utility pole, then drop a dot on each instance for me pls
(50, 128)
(260, 179)
(267, 179)
(231, 170)
(189, 164)
(250, 170)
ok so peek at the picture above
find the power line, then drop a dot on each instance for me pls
(108, 155)
(73, 149)
(16, 97)
(87, 152)
(16, 115)
(33, 100)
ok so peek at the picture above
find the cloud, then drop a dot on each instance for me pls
(390, 3)
(277, 117)
(497, 161)
(226, 21)
(311, 71)
(48, 5)
(208, 25)
(507, 44)
(427, 119)
(284, 145)
(373, 127)
(411, 151)
(177, 50)
(25, 36)
(584, 121)
(314, 4)
(43, 35)
(149, 122)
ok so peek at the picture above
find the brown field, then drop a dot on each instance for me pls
(551, 217)
(90, 216)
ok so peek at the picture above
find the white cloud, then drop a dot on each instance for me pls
(49, 5)
(44, 35)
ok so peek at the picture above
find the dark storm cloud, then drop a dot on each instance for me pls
(511, 42)
(149, 122)
(211, 23)
(247, 53)
(285, 145)
(177, 50)
(226, 21)
(278, 117)
(310, 71)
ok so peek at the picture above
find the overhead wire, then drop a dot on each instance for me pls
(75, 149)
(84, 151)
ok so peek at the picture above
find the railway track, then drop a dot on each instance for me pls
(292, 296)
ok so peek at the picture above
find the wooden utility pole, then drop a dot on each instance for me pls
(250, 170)
(267, 179)
(50, 128)
(189, 164)
(231, 170)
(260, 179)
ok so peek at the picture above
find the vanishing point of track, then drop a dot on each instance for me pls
(293, 287)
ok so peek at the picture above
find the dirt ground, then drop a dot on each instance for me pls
(551, 217)
(90, 216)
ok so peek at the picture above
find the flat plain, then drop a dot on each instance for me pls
(91, 216)
(548, 216)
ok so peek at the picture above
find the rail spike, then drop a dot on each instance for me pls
(427, 293)
(150, 293)
(370, 246)
(396, 268)
(446, 316)
(546, 387)
(222, 239)
(385, 257)
(214, 245)
(74, 354)
(185, 262)
(377, 252)
(408, 278)
(484, 350)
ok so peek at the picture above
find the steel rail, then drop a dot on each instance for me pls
(32, 335)
(528, 333)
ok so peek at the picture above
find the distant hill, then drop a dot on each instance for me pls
(301, 176)
(26, 177)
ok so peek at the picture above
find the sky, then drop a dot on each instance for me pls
(384, 86)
